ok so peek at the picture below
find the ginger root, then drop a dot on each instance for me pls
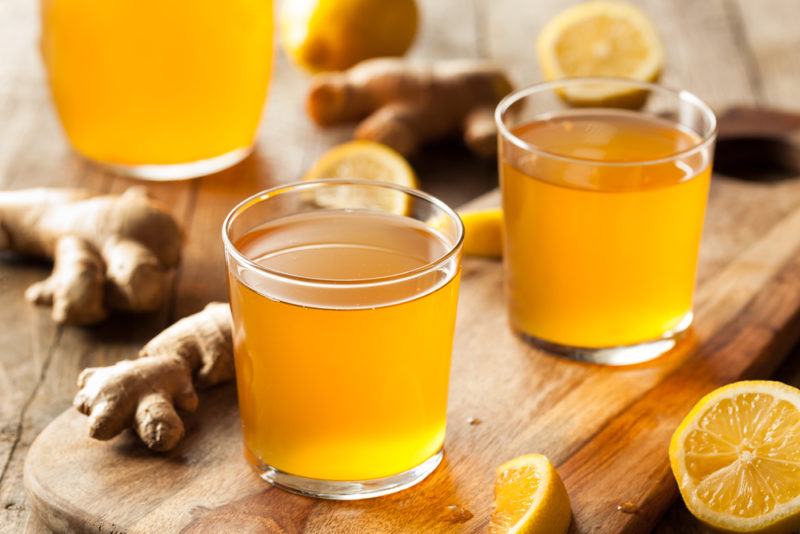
(405, 104)
(109, 251)
(143, 393)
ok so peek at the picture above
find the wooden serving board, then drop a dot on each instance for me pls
(605, 428)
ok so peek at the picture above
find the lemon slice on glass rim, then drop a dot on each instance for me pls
(364, 160)
(601, 39)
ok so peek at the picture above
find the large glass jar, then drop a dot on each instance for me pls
(155, 89)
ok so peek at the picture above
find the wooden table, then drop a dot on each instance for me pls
(727, 51)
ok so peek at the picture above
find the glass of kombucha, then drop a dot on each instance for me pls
(344, 302)
(603, 213)
(159, 90)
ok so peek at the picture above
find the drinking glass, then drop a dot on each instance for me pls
(159, 90)
(603, 211)
(344, 301)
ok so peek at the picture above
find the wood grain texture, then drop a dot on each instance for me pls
(39, 362)
(607, 429)
(766, 52)
(728, 51)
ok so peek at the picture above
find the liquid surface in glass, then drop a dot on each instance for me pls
(602, 256)
(149, 82)
(348, 382)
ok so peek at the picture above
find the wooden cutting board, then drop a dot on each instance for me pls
(606, 429)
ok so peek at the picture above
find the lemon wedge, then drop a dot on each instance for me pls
(483, 231)
(320, 35)
(601, 38)
(529, 497)
(736, 458)
(364, 160)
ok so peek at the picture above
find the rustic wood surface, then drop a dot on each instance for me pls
(607, 429)
(728, 51)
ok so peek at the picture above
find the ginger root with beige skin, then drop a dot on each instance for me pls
(109, 251)
(144, 393)
(405, 104)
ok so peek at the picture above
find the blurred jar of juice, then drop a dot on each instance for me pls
(155, 89)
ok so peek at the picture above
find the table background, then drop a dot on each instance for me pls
(727, 51)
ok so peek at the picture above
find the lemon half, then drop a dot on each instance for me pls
(529, 497)
(364, 160)
(601, 38)
(736, 458)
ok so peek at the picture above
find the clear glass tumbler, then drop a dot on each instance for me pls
(604, 211)
(344, 302)
(159, 90)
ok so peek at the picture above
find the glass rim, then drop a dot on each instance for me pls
(680, 94)
(277, 190)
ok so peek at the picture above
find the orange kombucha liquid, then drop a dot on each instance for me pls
(140, 82)
(343, 382)
(602, 256)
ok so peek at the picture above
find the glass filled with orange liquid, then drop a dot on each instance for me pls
(159, 90)
(344, 302)
(603, 212)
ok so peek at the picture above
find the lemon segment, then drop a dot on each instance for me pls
(529, 498)
(325, 35)
(736, 458)
(483, 231)
(601, 38)
(363, 160)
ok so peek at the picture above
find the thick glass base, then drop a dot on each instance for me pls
(178, 171)
(620, 355)
(340, 490)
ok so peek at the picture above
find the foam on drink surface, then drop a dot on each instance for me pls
(347, 250)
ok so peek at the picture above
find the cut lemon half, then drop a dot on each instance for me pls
(483, 232)
(601, 38)
(363, 160)
(529, 497)
(736, 458)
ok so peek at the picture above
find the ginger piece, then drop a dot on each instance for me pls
(405, 104)
(109, 251)
(144, 393)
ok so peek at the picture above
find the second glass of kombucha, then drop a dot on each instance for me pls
(603, 212)
(344, 302)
